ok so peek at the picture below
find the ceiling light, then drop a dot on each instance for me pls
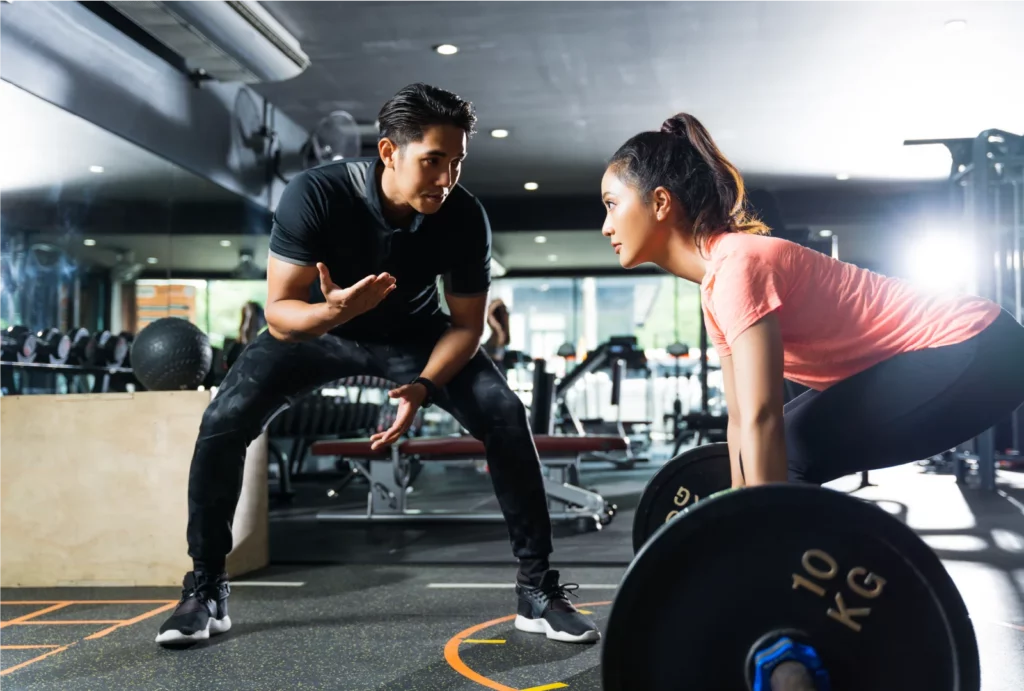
(151, 260)
(552, 257)
(89, 242)
(531, 186)
(499, 134)
(843, 176)
(446, 49)
(540, 239)
(225, 243)
(955, 26)
(95, 169)
(825, 233)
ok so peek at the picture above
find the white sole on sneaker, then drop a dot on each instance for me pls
(542, 626)
(213, 627)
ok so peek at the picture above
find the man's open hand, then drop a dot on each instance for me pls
(358, 298)
(411, 398)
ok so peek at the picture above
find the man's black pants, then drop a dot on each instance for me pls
(270, 373)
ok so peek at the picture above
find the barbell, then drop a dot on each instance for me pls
(783, 588)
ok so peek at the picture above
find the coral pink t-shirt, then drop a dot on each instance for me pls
(836, 319)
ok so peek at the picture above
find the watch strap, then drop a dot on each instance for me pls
(431, 388)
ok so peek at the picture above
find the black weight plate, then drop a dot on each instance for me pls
(744, 563)
(692, 475)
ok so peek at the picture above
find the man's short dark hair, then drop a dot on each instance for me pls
(418, 106)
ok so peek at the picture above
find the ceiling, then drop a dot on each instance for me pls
(794, 92)
(517, 252)
(48, 153)
(205, 254)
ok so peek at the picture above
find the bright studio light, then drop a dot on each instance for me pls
(942, 261)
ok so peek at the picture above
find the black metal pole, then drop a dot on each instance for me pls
(703, 362)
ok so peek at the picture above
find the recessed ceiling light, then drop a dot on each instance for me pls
(540, 239)
(552, 257)
(531, 186)
(95, 169)
(151, 260)
(843, 176)
(955, 26)
(225, 243)
(825, 233)
(446, 49)
(89, 242)
(499, 134)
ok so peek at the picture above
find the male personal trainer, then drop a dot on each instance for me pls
(386, 228)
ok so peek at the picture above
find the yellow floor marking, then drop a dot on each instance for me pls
(37, 613)
(83, 602)
(451, 653)
(67, 622)
(111, 624)
(135, 620)
(481, 640)
(26, 663)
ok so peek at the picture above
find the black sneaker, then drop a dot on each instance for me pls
(546, 609)
(201, 613)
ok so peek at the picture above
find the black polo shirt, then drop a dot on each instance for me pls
(333, 214)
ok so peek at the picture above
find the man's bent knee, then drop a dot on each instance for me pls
(506, 410)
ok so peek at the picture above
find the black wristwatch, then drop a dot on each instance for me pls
(431, 391)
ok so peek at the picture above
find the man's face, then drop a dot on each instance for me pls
(428, 169)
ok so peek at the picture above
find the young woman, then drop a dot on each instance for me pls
(896, 374)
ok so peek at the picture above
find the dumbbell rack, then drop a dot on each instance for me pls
(104, 382)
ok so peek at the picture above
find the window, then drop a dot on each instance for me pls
(213, 306)
(226, 301)
(588, 311)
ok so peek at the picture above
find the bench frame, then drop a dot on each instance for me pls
(389, 479)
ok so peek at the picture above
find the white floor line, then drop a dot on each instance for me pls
(498, 586)
(1016, 627)
(269, 584)
(1012, 500)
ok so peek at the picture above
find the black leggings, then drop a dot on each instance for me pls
(909, 407)
(271, 373)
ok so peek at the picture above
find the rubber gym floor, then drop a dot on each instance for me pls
(430, 607)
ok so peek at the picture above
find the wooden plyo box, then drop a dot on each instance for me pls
(95, 490)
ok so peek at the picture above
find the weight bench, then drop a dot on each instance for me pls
(389, 471)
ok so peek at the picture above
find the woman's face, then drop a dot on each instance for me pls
(637, 233)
